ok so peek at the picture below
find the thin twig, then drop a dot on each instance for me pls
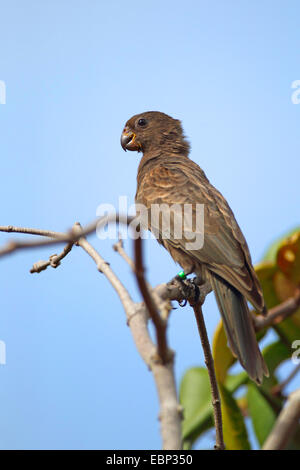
(169, 291)
(137, 318)
(170, 410)
(57, 237)
(119, 248)
(150, 298)
(103, 267)
(278, 313)
(173, 291)
(159, 322)
(209, 361)
(162, 294)
(31, 231)
(285, 425)
(53, 261)
(279, 388)
(275, 315)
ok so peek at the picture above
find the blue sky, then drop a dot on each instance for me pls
(75, 71)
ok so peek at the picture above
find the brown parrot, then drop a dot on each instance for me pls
(166, 175)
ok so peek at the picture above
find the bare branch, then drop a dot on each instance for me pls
(285, 425)
(57, 237)
(159, 322)
(53, 261)
(137, 318)
(279, 388)
(278, 313)
(172, 291)
(209, 361)
(162, 294)
(31, 231)
(170, 410)
(119, 248)
(156, 300)
(103, 267)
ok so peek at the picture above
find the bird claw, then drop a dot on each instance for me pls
(189, 289)
(183, 289)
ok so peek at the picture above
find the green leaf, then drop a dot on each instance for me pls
(294, 444)
(274, 354)
(262, 414)
(279, 275)
(266, 272)
(195, 397)
(234, 381)
(235, 433)
(289, 328)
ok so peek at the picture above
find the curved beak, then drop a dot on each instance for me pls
(128, 140)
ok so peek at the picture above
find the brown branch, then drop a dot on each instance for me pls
(170, 410)
(119, 248)
(277, 389)
(285, 425)
(173, 291)
(31, 231)
(169, 291)
(137, 318)
(209, 361)
(103, 267)
(57, 237)
(158, 300)
(279, 313)
(164, 293)
(53, 261)
(159, 322)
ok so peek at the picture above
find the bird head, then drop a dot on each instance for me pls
(153, 130)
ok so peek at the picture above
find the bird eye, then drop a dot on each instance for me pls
(142, 122)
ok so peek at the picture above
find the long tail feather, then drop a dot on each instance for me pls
(239, 328)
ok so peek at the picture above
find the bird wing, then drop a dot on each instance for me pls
(225, 251)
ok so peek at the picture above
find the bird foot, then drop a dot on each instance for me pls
(189, 290)
(183, 289)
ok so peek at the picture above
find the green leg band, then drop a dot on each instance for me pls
(182, 275)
